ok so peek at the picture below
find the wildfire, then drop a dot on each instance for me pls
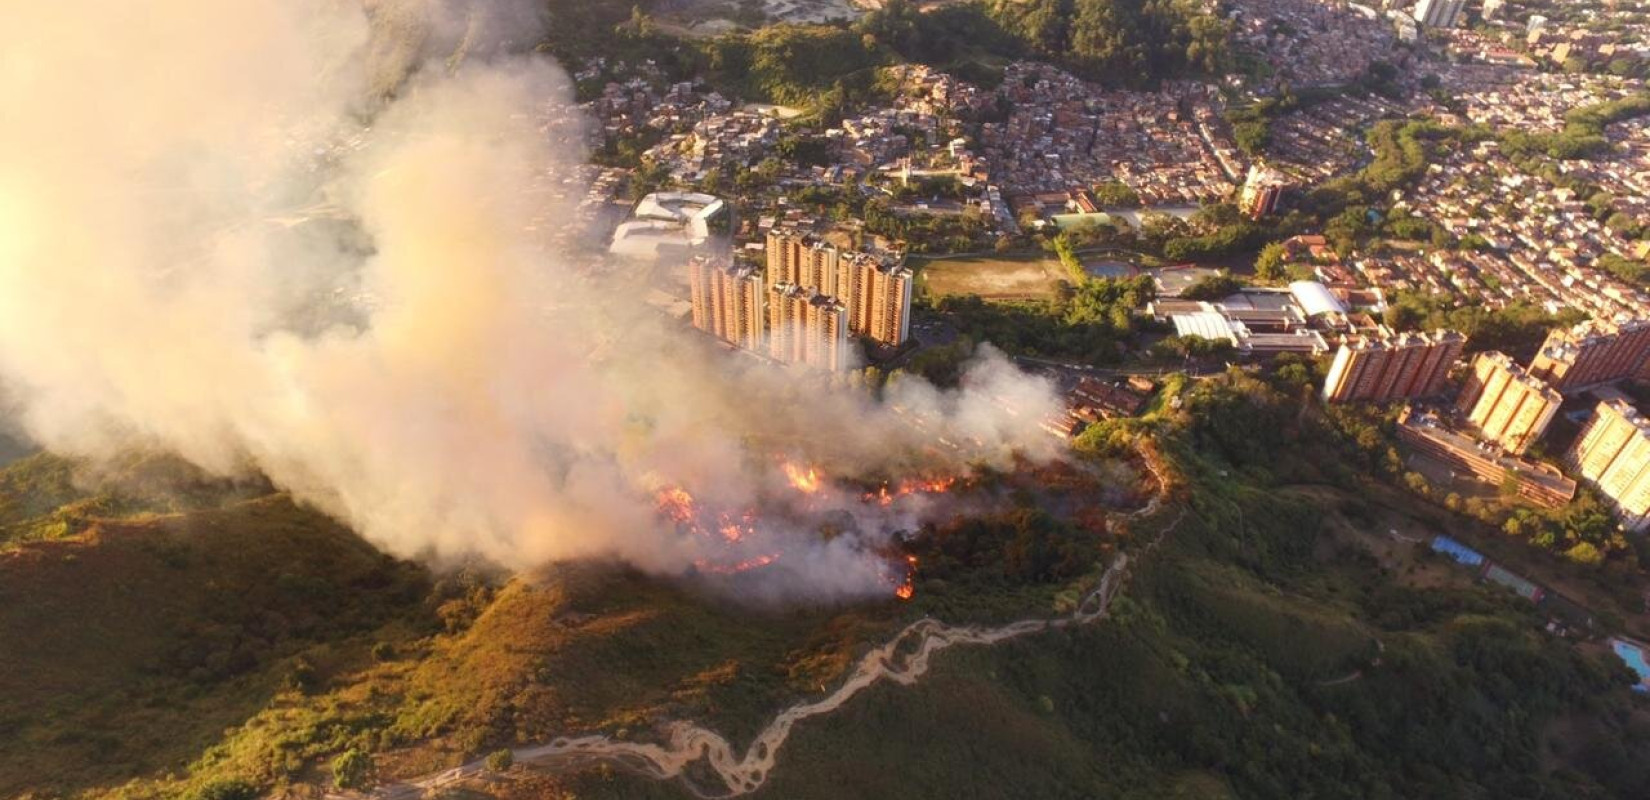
(804, 479)
(733, 531)
(907, 588)
(705, 565)
(731, 528)
(676, 504)
(884, 496)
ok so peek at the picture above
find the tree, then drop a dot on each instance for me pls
(500, 760)
(1212, 287)
(1116, 194)
(1269, 265)
(1584, 553)
(351, 769)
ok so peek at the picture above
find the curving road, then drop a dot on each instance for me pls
(903, 659)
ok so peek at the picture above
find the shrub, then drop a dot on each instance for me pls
(351, 769)
(226, 789)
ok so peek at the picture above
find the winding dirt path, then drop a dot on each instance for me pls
(903, 660)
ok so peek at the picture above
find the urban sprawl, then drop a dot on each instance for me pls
(801, 241)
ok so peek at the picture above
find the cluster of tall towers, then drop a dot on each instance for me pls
(876, 292)
(803, 306)
(1511, 407)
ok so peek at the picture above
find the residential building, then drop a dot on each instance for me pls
(729, 301)
(1591, 353)
(1438, 13)
(1390, 367)
(806, 327)
(1613, 454)
(879, 301)
(875, 291)
(1539, 483)
(1509, 407)
(1261, 191)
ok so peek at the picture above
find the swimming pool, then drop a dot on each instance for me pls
(1635, 657)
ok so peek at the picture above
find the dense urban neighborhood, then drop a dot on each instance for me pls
(825, 399)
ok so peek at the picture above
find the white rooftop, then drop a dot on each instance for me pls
(1207, 325)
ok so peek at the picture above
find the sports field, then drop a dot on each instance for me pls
(993, 277)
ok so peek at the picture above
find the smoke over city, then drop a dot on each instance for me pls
(310, 239)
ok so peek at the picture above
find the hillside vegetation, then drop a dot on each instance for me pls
(133, 645)
(1260, 653)
(1266, 649)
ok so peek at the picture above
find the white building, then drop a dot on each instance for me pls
(667, 219)
(1438, 13)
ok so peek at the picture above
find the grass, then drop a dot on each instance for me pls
(45, 497)
(996, 277)
(140, 642)
(257, 640)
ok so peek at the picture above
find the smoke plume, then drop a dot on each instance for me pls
(312, 239)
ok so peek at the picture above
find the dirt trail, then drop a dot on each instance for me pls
(903, 659)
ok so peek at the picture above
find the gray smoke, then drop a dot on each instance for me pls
(310, 239)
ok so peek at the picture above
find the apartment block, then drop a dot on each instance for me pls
(1591, 353)
(875, 292)
(1263, 187)
(1613, 454)
(728, 301)
(1509, 407)
(1438, 13)
(806, 327)
(1391, 367)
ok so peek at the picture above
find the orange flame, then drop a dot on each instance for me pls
(907, 588)
(676, 504)
(805, 480)
(713, 568)
(883, 496)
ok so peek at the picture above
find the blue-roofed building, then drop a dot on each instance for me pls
(1456, 550)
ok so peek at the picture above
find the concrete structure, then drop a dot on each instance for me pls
(806, 327)
(1438, 13)
(1315, 298)
(875, 291)
(1613, 454)
(668, 220)
(1386, 368)
(729, 302)
(880, 305)
(1538, 483)
(1492, 8)
(1262, 189)
(1510, 408)
(1211, 325)
(1591, 353)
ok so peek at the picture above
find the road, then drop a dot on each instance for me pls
(1067, 374)
(904, 659)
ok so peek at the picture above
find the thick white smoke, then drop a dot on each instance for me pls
(309, 238)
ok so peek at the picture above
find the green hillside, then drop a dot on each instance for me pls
(1267, 648)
